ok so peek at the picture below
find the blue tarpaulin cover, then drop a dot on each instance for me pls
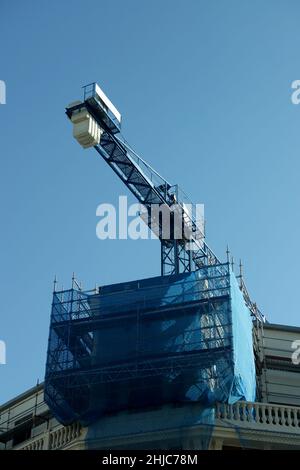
(177, 339)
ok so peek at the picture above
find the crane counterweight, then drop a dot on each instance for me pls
(86, 130)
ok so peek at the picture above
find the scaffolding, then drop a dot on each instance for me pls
(145, 343)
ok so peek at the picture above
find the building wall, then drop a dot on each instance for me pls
(281, 378)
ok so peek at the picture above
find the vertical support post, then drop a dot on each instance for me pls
(176, 256)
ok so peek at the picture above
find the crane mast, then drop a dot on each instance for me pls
(97, 123)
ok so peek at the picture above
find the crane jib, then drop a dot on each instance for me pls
(97, 124)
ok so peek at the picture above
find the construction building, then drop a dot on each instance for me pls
(184, 361)
(272, 422)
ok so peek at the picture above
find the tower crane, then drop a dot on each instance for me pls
(97, 123)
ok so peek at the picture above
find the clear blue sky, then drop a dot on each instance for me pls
(204, 90)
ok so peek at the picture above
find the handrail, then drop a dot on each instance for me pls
(53, 440)
(255, 413)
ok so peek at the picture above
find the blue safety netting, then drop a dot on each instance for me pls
(244, 373)
(177, 339)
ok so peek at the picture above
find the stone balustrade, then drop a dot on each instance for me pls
(255, 414)
(53, 440)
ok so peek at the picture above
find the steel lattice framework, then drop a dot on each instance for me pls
(146, 341)
(149, 188)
